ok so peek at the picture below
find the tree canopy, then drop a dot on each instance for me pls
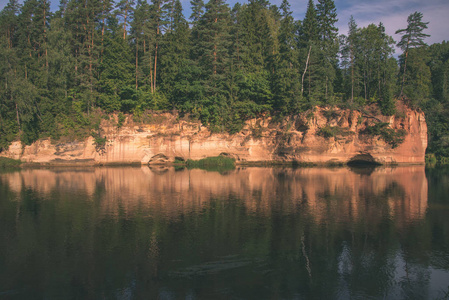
(61, 71)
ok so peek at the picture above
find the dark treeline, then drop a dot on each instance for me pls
(62, 71)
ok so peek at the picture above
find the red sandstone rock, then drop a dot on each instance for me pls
(295, 139)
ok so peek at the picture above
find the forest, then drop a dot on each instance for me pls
(63, 71)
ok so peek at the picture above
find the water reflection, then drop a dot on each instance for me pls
(340, 194)
(253, 233)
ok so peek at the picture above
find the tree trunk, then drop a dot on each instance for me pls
(45, 38)
(352, 74)
(124, 21)
(403, 75)
(17, 113)
(215, 50)
(102, 35)
(155, 68)
(155, 55)
(151, 71)
(325, 97)
(137, 57)
(305, 70)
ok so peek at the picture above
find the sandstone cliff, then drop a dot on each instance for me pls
(322, 136)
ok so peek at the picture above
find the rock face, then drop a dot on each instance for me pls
(322, 136)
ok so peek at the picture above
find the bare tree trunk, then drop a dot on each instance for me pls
(137, 50)
(215, 50)
(403, 75)
(155, 68)
(325, 97)
(155, 56)
(352, 75)
(151, 71)
(305, 70)
(45, 38)
(124, 21)
(102, 34)
(17, 113)
(364, 81)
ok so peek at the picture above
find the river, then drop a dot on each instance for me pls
(249, 233)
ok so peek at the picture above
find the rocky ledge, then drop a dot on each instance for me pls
(324, 135)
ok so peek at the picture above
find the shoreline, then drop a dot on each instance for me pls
(290, 164)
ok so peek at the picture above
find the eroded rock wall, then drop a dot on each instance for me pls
(298, 138)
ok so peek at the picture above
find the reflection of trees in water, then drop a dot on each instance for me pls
(262, 234)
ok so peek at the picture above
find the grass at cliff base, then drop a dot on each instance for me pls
(216, 163)
(9, 163)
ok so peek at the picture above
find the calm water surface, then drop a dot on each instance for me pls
(255, 233)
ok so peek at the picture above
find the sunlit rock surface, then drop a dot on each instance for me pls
(296, 139)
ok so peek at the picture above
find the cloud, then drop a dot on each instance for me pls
(393, 14)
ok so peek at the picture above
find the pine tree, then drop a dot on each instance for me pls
(9, 108)
(125, 9)
(175, 49)
(197, 11)
(213, 46)
(308, 43)
(412, 37)
(285, 79)
(350, 48)
(116, 86)
(258, 38)
(9, 21)
(159, 16)
(326, 18)
(137, 31)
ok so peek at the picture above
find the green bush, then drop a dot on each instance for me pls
(389, 135)
(9, 163)
(431, 159)
(99, 142)
(216, 163)
(444, 160)
(335, 131)
(121, 120)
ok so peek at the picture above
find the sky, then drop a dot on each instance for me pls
(392, 13)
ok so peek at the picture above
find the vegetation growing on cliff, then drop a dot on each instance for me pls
(61, 70)
(389, 135)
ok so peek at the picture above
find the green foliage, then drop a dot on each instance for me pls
(332, 132)
(444, 160)
(412, 37)
(61, 71)
(121, 120)
(9, 163)
(216, 163)
(431, 159)
(99, 142)
(389, 135)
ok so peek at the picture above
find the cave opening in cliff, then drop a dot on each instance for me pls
(363, 159)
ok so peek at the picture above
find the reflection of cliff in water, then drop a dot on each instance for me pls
(326, 194)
